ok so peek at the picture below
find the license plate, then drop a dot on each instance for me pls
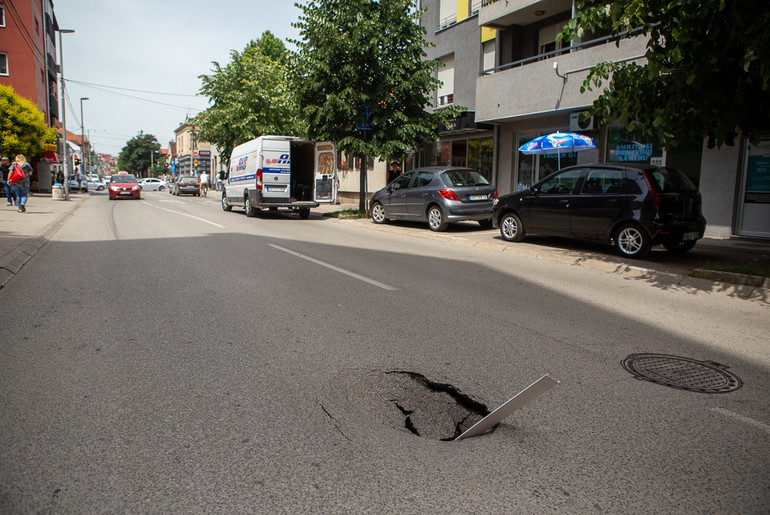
(690, 236)
(125, 193)
(478, 197)
(276, 188)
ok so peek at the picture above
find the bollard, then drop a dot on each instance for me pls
(57, 192)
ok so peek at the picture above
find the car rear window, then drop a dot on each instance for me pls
(460, 178)
(123, 178)
(670, 180)
(189, 179)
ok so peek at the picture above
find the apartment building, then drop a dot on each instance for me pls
(28, 64)
(503, 64)
(190, 155)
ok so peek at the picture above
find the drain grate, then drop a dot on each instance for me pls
(682, 373)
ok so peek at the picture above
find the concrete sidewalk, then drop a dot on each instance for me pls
(23, 234)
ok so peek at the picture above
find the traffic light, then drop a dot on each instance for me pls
(195, 163)
(77, 160)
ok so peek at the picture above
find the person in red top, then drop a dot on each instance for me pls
(21, 186)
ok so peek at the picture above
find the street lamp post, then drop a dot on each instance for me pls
(83, 135)
(64, 115)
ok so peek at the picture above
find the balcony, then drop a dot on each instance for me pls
(532, 87)
(501, 14)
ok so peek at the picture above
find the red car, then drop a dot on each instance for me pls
(124, 185)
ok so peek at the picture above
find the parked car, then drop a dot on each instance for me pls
(96, 184)
(124, 185)
(152, 184)
(79, 186)
(437, 195)
(187, 184)
(633, 206)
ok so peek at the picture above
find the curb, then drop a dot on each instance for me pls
(732, 284)
(14, 261)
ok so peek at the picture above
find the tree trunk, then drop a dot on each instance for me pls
(362, 189)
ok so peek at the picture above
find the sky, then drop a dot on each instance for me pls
(138, 61)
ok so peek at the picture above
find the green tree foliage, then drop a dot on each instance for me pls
(22, 126)
(250, 96)
(138, 154)
(358, 55)
(707, 73)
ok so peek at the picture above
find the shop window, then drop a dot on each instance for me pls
(625, 146)
(460, 153)
(481, 156)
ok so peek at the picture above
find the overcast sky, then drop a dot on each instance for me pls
(156, 46)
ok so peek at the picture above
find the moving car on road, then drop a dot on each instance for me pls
(152, 184)
(96, 184)
(437, 195)
(187, 184)
(124, 185)
(633, 206)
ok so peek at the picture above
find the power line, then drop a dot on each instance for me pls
(132, 90)
(173, 106)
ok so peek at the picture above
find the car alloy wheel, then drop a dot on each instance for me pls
(511, 228)
(436, 219)
(378, 213)
(632, 241)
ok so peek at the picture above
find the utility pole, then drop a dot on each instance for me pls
(64, 115)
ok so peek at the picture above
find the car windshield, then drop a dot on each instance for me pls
(671, 180)
(460, 178)
(188, 179)
(123, 178)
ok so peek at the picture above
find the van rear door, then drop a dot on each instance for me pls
(276, 170)
(325, 172)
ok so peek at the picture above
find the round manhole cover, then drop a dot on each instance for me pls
(682, 373)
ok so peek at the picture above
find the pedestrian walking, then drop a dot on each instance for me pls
(19, 179)
(219, 181)
(5, 168)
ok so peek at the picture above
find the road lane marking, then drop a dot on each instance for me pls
(336, 269)
(189, 216)
(747, 420)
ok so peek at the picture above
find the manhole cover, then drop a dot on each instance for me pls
(682, 373)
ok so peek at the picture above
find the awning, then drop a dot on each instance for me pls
(51, 157)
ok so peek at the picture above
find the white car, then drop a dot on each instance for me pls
(153, 184)
(96, 184)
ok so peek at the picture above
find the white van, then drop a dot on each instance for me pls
(281, 171)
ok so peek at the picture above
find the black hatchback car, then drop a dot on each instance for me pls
(633, 206)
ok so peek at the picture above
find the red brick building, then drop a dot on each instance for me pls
(28, 63)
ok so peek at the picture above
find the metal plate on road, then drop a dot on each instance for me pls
(682, 373)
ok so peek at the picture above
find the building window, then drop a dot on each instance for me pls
(446, 74)
(547, 38)
(632, 146)
(489, 64)
(2, 15)
(3, 64)
(447, 13)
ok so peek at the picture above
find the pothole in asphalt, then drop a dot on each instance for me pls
(403, 400)
(432, 409)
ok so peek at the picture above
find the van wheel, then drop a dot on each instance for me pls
(250, 210)
(304, 213)
(511, 228)
(436, 219)
(378, 213)
(225, 204)
(632, 241)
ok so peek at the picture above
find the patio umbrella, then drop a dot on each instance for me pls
(558, 141)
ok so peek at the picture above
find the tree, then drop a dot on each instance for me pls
(707, 73)
(138, 154)
(365, 57)
(22, 126)
(251, 96)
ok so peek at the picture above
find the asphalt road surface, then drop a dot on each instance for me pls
(165, 356)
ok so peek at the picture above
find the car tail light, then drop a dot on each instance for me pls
(495, 192)
(657, 198)
(259, 179)
(448, 194)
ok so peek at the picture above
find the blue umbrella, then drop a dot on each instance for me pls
(558, 141)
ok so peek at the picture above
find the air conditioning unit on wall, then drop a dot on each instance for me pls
(576, 125)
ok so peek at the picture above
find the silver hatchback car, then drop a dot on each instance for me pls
(437, 195)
